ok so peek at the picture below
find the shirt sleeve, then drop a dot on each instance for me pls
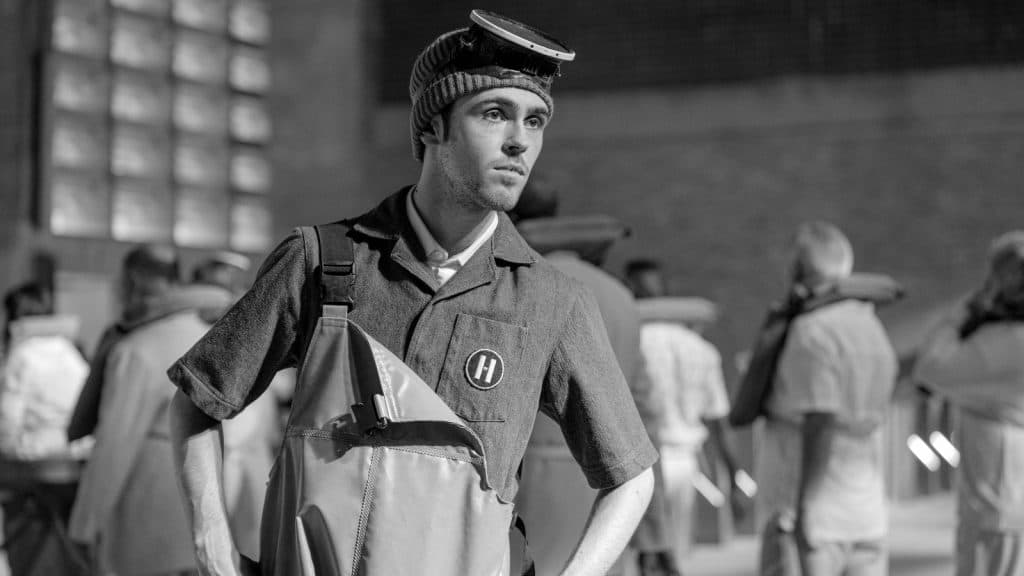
(586, 393)
(808, 371)
(236, 360)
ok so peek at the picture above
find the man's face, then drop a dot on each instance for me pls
(492, 140)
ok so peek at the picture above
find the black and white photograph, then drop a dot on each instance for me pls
(520, 288)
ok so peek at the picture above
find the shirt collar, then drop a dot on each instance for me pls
(435, 254)
(388, 221)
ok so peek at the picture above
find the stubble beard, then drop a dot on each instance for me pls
(468, 193)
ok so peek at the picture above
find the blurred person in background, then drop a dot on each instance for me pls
(687, 386)
(554, 497)
(224, 271)
(43, 374)
(251, 439)
(41, 377)
(210, 295)
(820, 464)
(975, 358)
(129, 509)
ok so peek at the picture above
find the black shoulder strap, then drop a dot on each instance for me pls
(337, 271)
(757, 380)
(337, 276)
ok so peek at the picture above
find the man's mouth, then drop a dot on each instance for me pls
(512, 168)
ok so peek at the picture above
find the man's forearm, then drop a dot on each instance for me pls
(817, 431)
(197, 456)
(613, 518)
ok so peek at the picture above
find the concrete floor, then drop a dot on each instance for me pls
(920, 540)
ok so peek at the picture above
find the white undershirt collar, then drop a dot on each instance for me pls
(443, 264)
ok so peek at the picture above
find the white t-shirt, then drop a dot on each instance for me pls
(837, 359)
(685, 373)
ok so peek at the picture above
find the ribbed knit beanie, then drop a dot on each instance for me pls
(470, 60)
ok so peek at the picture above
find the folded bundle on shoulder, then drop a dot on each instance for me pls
(757, 380)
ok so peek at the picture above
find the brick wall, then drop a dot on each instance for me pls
(320, 104)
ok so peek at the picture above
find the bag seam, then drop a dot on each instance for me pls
(366, 508)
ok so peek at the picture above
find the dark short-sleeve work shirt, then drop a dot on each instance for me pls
(544, 326)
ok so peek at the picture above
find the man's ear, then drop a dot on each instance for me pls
(436, 134)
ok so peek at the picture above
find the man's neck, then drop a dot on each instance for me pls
(452, 225)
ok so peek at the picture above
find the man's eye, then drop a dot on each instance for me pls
(494, 114)
(535, 122)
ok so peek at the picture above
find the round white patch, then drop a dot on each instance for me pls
(484, 369)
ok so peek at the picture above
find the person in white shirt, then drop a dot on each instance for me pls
(820, 463)
(684, 372)
(975, 358)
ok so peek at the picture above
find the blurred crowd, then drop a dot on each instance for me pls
(120, 511)
(818, 384)
(819, 381)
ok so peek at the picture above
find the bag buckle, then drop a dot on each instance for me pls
(372, 416)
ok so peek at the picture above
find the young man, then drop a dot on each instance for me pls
(976, 359)
(441, 278)
(822, 489)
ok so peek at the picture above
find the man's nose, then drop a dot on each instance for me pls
(515, 140)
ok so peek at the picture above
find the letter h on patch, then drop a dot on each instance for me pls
(485, 369)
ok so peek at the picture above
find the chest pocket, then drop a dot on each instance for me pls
(482, 370)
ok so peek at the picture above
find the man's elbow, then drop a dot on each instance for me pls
(818, 429)
(638, 488)
(645, 484)
(818, 424)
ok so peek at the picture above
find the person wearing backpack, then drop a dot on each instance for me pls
(428, 335)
